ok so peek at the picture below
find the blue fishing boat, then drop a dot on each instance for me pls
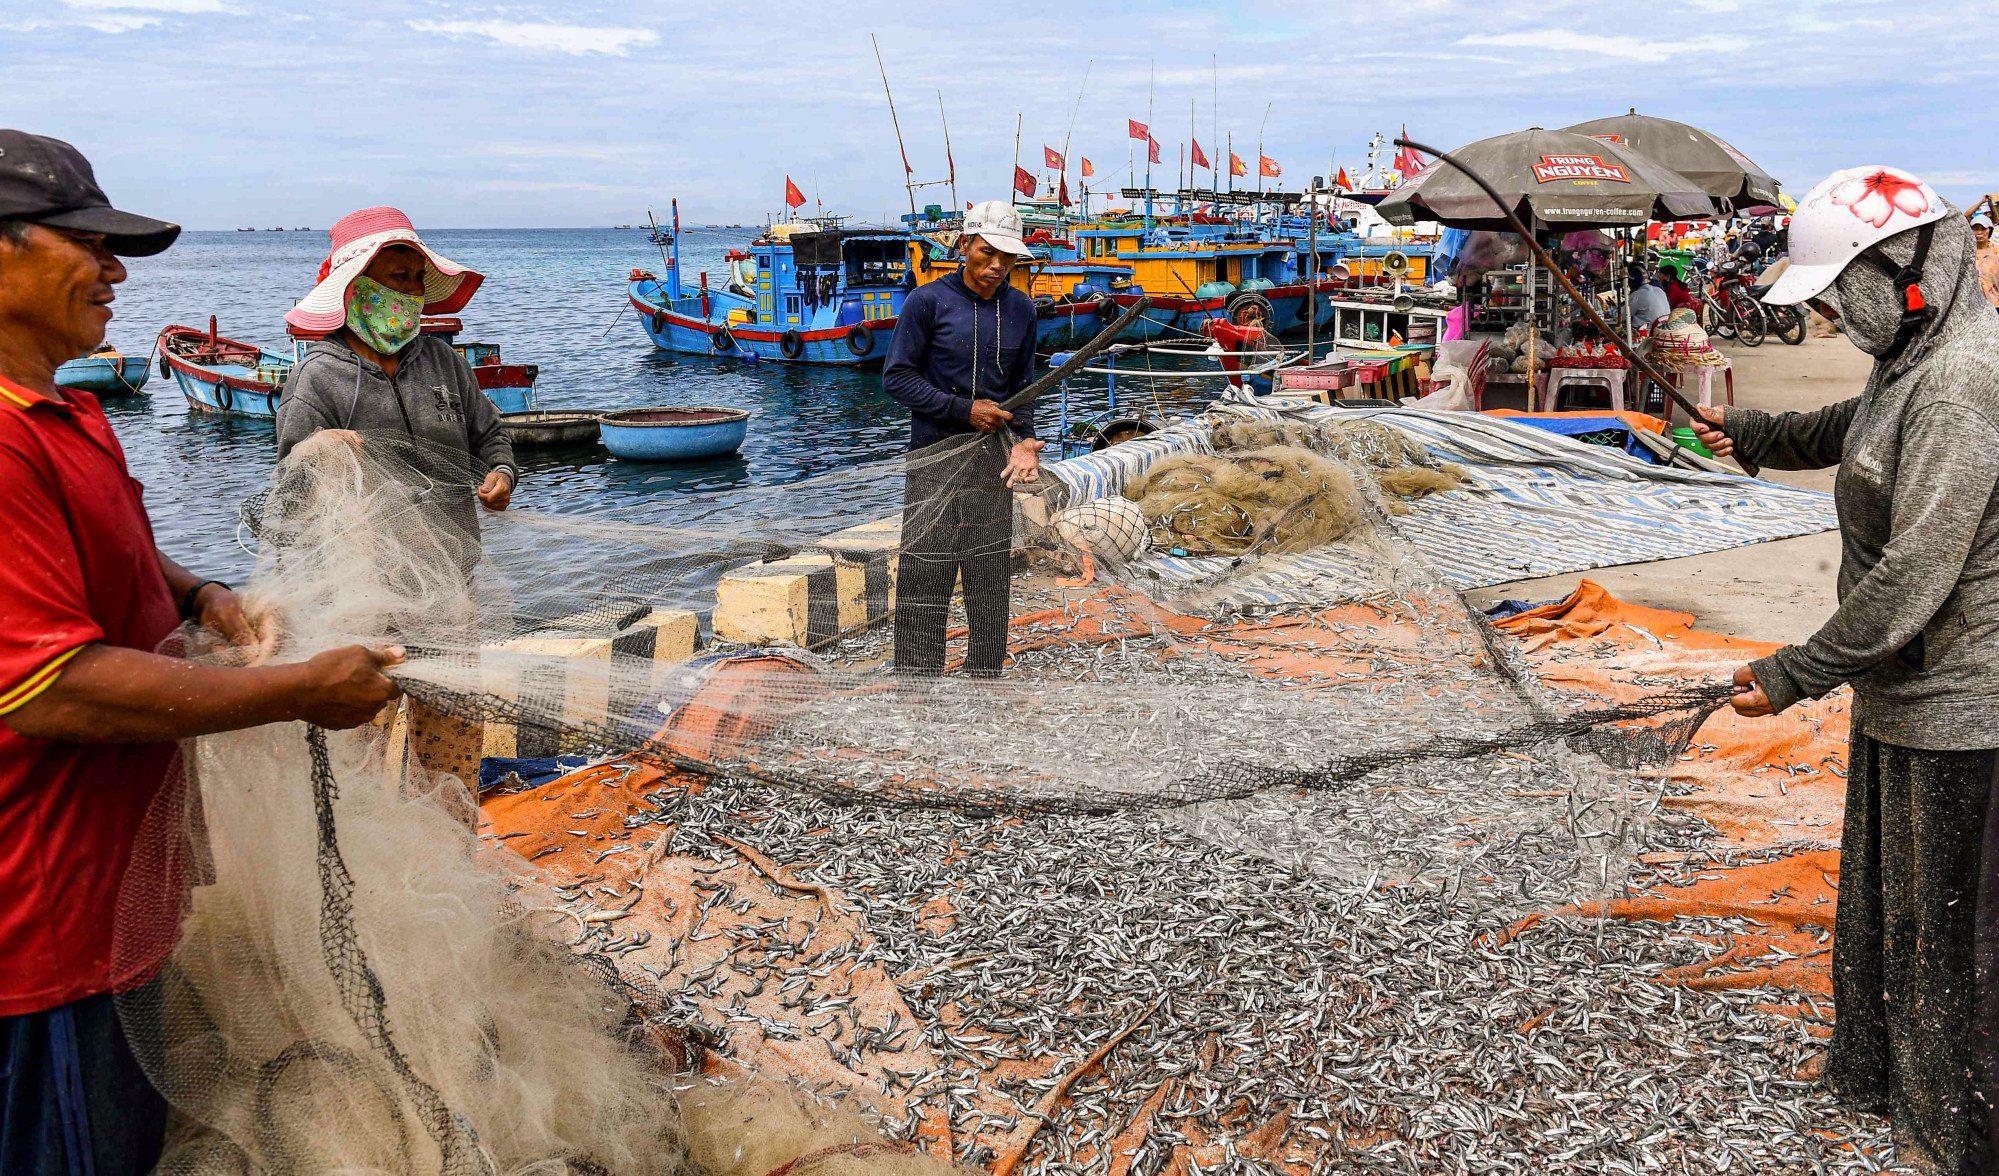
(673, 434)
(222, 375)
(815, 294)
(106, 373)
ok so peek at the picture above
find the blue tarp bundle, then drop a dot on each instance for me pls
(1608, 431)
(533, 772)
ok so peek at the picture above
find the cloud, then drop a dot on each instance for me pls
(178, 6)
(1627, 48)
(124, 16)
(557, 38)
(118, 22)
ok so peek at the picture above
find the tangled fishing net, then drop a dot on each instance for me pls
(358, 983)
(1401, 468)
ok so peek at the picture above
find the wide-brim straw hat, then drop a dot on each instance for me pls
(357, 238)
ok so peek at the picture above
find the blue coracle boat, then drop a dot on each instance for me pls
(107, 373)
(223, 375)
(828, 296)
(673, 434)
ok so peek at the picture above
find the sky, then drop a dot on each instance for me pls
(221, 113)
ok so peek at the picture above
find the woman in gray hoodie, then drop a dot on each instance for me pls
(378, 380)
(1916, 937)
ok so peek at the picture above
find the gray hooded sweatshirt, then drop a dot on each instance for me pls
(1917, 628)
(433, 399)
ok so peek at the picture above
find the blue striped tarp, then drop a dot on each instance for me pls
(1535, 504)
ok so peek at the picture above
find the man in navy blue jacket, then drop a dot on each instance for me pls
(963, 344)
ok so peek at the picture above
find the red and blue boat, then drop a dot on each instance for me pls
(221, 375)
(510, 386)
(810, 293)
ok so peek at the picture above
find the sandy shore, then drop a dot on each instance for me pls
(1779, 591)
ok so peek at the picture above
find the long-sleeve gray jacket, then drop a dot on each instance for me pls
(434, 399)
(1917, 628)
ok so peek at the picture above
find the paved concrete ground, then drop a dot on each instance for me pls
(1778, 591)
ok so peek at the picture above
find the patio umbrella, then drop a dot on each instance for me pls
(1735, 182)
(1552, 179)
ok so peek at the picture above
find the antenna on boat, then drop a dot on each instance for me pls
(950, 164)
(908, 183)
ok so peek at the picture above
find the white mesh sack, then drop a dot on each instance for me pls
(1107, 526)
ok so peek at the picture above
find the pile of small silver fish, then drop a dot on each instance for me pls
(1394, 1026)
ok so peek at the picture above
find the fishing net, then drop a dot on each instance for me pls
(357, 982)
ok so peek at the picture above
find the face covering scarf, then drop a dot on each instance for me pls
(384, 319)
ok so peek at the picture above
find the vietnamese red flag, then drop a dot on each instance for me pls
(1136, 130)
(1023, 181)
(1341, 183)
(1408, 162)
(1053, 159)
(1200, 157)
(1236, 166)
(1089, 169)
(1063, 198)
(1152, 149)
(792, 195)
(1268, 166)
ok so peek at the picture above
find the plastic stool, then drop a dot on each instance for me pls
(1609, 379)
(1706, 395)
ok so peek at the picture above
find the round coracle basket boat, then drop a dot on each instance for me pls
(550, 428)
(674, 434)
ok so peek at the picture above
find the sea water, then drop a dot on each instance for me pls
(552, 297)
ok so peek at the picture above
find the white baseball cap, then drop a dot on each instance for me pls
(998, 223)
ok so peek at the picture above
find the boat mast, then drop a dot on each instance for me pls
(950, 163)
(1259, 162)
(1013, 181)
(673, 266)
(1151, 76)
(1214, 121)
(1067, 136)
(1312, 271)
(908, 172)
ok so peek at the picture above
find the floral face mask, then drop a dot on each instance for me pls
(386, 320)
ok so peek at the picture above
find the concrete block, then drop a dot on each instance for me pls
(662, 635)
(788, 600)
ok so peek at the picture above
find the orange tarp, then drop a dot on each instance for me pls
(1761, 783)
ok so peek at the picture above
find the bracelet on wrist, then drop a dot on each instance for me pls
(188, 598)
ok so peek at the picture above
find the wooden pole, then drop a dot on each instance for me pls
(1589, 311)
(908, 185)
(950, 161)
(1011, 185)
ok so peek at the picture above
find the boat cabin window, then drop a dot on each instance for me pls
(876, 263)
(763, 261)
(791, 308)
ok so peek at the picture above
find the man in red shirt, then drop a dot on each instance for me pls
(89, 713)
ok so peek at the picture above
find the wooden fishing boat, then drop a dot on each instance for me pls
(810, 293)
(550, 428)
(222, 375)
(510, 386)
(106, 373)
(674, 434)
